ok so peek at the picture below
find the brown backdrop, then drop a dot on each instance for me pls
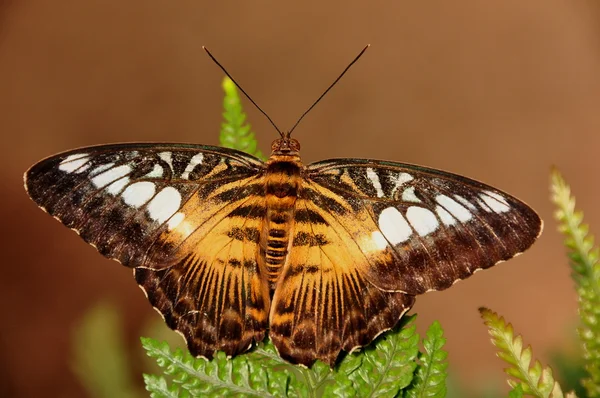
(498, 91)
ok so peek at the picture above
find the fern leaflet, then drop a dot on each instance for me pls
(583, 255)
(430, 378)
(235, 132)
(533, 379)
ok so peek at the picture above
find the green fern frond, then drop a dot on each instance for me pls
(583, 255)
(517, 392)
(158, 388)
(235, 132)
(534, 379)
(265, 355)
(240, 376)
(383, 369)
(430, 378)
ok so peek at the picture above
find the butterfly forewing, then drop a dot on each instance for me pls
(122, 198)
(423, 229)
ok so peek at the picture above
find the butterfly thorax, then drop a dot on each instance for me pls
(282, 183)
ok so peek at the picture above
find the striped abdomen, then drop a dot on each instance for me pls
(281, 190)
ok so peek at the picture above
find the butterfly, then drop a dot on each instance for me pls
(324, 256)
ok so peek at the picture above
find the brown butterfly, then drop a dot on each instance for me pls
(324, 256)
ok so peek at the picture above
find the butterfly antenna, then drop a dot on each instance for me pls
(242, 90)
(330, 87)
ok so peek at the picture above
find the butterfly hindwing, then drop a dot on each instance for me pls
(216, 295)
(424, 229)
(175, 213)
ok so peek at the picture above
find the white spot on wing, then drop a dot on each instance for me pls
(446, 217)
(101, 168)
(496, 202)
(74, 162)
(139, 193)
(184, 228)
(496, 196)
(75, 156)
(156, 172)
(84, 168)
(409, 195)
(423, 220)
(108, 176)
(374, 178)
(393, 226)
(401, 178)
(465, 202)
(194, 161)
(116, 187)
(167, 157)
(484, 206)
(457, 210)
(175, 220)
(164, 204)
(379, 240)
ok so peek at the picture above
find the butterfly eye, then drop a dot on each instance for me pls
(276, 144)
(294, 144)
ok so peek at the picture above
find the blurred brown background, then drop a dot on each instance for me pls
(498, 91)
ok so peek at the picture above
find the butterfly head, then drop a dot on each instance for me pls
(285, 146)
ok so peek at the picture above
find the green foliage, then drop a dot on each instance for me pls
(383, 370)
(430, 379)
(517, 392)
(235, 132)
(532, 379)
(583, 256)
(99, 354)
(157, 386)
(197, 377)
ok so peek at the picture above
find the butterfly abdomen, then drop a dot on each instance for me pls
(282, 182)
